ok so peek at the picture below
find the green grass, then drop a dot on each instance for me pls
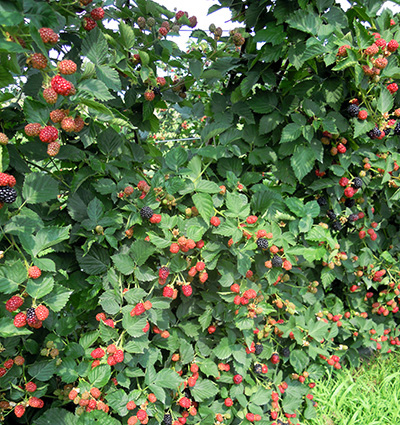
(368, 395)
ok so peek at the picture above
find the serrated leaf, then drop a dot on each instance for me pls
(299, 360)
(203, 390)
(223, 349)
(302, 161)
(58, 298)
(126, 35)
(56, 416)
(42, 370)
(12, 276)
(385, 101)
(8, 330)
(94, 47)
(291, 132)
(96, 89)
(204, 203)
(95, 262)
(100, 375)
(168, 378)
(39, 188)
(109, 77)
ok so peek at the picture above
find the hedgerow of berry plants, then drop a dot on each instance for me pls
(210, 284)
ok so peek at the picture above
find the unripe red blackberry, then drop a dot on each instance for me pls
(48, 134)
(89, 23)
(14, 303)
(79, 124)
(53, 148)
(67, 67)
(48, 35)
(33, 129)
(37, 61)
(57, 115)
(3, 139)
(68, 124)
(97, 14)
(50, 95)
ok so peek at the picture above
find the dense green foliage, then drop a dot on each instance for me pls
(278, 227)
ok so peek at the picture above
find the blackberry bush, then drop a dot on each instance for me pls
(211, 279)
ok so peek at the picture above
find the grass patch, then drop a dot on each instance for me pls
(368, 395)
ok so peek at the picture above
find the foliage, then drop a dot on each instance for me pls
(154, 262)
(359, 395)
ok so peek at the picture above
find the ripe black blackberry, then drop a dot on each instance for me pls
(322, 201)
(331, 215)
(349, 202)
(286, 352)
(31, 318)
(336, 225)
(277, 261)
(146, 212)
(156, 90)
(262, 243)
(258, 348)
(353, 110)
(374, 133)
(8, 194)
(387, 131)
(257, 368)
(397, 129)
(353, 218)
(357, 183)
(167, 419)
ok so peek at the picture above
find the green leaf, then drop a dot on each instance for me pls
(204, 203)
(110, 142)
(186, 352)
(175, 158)
(312, 209)
(223, 350)
(196, 68)
(96, 89)
(295, 206)
(305, 21)
(49, 236)
(208, 367)
(302, 161)
(168, 378)
(40, 287)
(12, 276)
(260, 397)
(67, 370)
(141, 251)
(58, 298)
(42, 370)
(207, 186)
(95, 47)
(57, 416)
(385, 101)
(123, 263)
(117, 400)
(291, 132)
(318, 330)
(299, 360)
(126, 35)
(203, 390)
(109, 77)
(39, 188)
(100, 375)
(95, 262)
(8, 330)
